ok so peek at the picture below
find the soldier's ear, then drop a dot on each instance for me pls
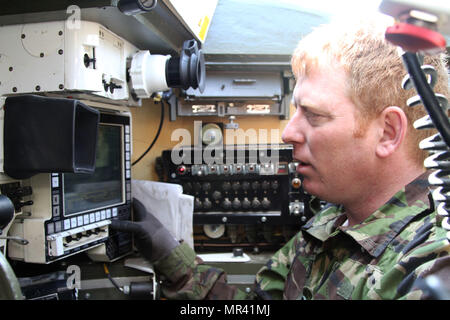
(392, 128)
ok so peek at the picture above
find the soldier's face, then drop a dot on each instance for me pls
(334, 162)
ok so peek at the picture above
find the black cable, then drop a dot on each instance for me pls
(436, 113)
(115, 284)
(156, 137)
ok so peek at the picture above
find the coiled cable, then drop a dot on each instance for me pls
(423, 78)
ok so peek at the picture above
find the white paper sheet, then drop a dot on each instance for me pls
(167, 202)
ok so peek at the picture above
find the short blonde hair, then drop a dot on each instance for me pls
(374, 69)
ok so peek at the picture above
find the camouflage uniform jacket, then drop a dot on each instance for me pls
(378, 259)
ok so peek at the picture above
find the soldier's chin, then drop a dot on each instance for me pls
(314, 189)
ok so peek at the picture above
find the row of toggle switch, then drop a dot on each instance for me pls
(233, 169)
(60, 243)
(235, 204)
(78, 236)
(232, 186)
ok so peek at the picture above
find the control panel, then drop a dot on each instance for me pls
(61, 214)
(245, 184)
(247, 196)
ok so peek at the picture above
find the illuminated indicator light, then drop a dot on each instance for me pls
(181, 170)
(296, 183)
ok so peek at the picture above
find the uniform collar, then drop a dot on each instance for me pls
(381, 227)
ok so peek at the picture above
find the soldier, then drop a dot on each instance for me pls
(353, 136)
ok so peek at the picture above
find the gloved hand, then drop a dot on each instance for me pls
(153, 240)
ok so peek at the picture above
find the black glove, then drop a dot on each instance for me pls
(153, 240)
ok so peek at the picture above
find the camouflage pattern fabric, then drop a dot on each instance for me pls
(378, 259)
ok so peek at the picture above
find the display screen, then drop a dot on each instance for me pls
(83, 192)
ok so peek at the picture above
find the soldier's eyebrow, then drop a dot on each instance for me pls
(315, 110)
(310, 107)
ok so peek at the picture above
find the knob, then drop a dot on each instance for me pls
(275, 185)
(19, 192)
(236, 186)
(216, 195)
(226, 186)
(255, 185)
(256, 203)
(207, 204)
(113, 86)
(265, 185)
(197, 204)
(187, 187)
(246, 204)
(105, 85)
(24, 203)
(226, 204)
(88, 60)
(197, 187)
(206, 186)
(265, 203)
(236, 204)
(245, 185)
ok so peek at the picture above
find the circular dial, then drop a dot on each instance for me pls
(211, 134)
(214, 231)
